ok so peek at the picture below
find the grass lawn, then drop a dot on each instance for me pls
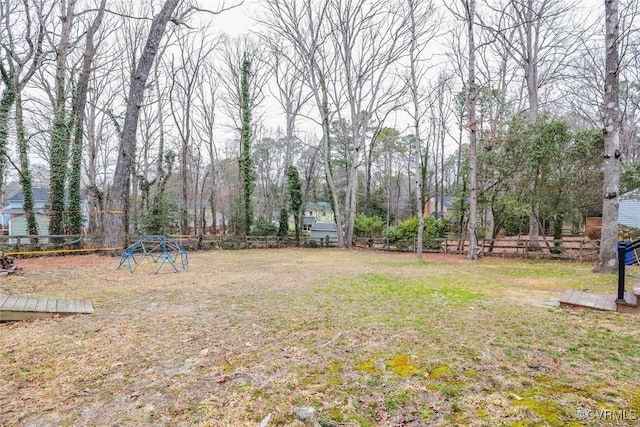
(366, 338)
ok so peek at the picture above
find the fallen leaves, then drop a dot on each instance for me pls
(275, 330)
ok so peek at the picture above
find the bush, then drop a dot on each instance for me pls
(594, 233)
(368, 226)
(406, 233)
(262, 228)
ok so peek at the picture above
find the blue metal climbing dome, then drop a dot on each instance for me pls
(155, 249)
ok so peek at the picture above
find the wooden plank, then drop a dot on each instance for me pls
(6, 316)
(20, 303)
(87, 307)
(71, 306)
(584, 297)
(42, 304)
(31, 304)
(589, 300)
(566, 297)
(10, 303)
(607, 303)
(61, 306)
(574, 297)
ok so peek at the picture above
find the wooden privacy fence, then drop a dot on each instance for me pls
(571, 248)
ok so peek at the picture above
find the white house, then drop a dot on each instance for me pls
(15, 208)
(629, 209)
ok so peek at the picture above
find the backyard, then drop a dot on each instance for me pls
(366, 338)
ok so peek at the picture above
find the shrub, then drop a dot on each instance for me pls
(406, 233)
(262, 227)
(368, 226)
(594, 233)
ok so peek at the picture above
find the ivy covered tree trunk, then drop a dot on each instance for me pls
(60, 132)
(6, 104)
(119, 195)
(246, 167)
(295, 198)
(283, 226)
(25, 172)
(78, 115)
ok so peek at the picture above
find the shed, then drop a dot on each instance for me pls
(18, 227)
(629, 209)
(320, 231)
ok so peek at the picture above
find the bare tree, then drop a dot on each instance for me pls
(305, 27)
(290, 94)
(369, 38)
(119, 197)
(608, 261)
(536, 35)
(470, 9)
(24, 56)
(207, 98)
(421, 18)
(185, 76)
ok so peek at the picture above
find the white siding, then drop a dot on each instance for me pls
(629, 209)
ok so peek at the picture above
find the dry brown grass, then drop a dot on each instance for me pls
(367, 338)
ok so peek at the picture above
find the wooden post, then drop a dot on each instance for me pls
(580, 251)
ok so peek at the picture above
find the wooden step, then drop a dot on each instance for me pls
(629, 305)
(630, 299)
(573, 298)
(16, 307)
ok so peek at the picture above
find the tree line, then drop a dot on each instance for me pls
(147, 120)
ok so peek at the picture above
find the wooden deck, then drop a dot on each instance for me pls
(584, 299)
(25, 307)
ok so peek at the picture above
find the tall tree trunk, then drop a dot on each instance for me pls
(246, 167)
(60, 132)
(75, 175)
(608, 244)
(471, 106)
(323, 104)
(25, 171)
(416, 127)
(114, 221)
(531, 77)
(6, 104)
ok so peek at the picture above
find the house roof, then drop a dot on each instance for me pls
(317, 206)
(324, 226)
(39, 194)
(631, 195)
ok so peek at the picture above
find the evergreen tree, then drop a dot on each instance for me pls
(295, 197)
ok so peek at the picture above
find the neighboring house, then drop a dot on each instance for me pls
(313, 213)
(307, 223)
(321, 211)
(629, 209)
(18, 227)
(444, 206)
(321, 231)
(16, 206)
